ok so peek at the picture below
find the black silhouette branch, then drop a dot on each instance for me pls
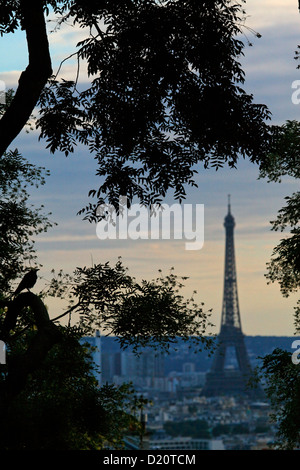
(48, 334)
(33, 79)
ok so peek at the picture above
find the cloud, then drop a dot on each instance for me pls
(10, 78)
(272, 13)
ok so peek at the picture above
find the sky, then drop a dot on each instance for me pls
(270, 72)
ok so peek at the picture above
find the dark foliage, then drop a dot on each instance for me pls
(139, 314)
(197, 429)
(283, 161)
(61, 407)
(282, 378)
(165, 95)
(19, 220)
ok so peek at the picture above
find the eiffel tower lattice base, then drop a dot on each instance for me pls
(222, 381)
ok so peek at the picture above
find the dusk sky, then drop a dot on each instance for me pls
(270, 72)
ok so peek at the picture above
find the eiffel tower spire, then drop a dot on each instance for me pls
(222, 380)
(230, 308)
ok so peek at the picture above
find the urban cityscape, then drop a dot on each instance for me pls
(178, 415)
(194, 401)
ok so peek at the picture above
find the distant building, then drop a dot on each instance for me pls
(143, 369)
(110, 366)
(188, 368)
(186, 443)
(147, 370)
(95, 344)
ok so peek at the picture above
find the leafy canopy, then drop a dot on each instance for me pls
(282, 387)
(283, 161)
(19, 220)
(139, 314)
(164, 92)
(61, 406)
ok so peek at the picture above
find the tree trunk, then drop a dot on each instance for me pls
(20, 366)
(33, 79)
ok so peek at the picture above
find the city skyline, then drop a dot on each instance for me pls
(270, 71)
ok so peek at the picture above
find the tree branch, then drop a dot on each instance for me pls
(33, 79)
(19, 366)
(70, 310)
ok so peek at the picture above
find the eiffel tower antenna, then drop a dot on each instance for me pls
(221, 380)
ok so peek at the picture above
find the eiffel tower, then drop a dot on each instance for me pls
(221, 379)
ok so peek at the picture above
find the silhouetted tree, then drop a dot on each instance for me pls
(278, 371)
(49, 397)
(20, 221)
(164, 94)
(282, 386)
(284, 161)
(46, 376)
